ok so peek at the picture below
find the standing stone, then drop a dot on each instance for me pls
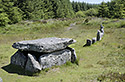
(19, 58)
(1, 79)
(32, 64)
(55, 58)
(101, 28)
(88, 43)
(45, 45)
(93, 40)
(99, 35)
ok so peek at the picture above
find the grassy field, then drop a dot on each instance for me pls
(104, 61)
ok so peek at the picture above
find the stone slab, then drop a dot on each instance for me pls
(19, 59)
(55, 58)
(45, 45)
(32, 64)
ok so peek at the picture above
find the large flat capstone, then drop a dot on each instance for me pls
(44, 45)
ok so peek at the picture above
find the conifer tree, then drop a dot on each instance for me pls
(64, 9)
(3, 16)
(103, 10)
(47, 9)
(117, 9)
(13, 13)
(31, 8)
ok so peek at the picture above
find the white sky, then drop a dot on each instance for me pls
(91, 1)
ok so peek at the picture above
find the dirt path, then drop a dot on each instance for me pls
(71, 26)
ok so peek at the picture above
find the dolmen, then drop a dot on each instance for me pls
(36, 55)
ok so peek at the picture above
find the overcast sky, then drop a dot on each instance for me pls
(91, 1)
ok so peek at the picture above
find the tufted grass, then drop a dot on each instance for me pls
(103, 61)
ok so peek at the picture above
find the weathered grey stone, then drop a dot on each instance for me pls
(1, 79)
(44, 45)
(32, 64)
(55, 58)
(101, 28)
(88, 43)
(93, 40)
(99, 35)
(19, 58)
(72, 24)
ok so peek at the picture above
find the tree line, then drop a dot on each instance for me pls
(13, 11)
(82, 6)
(113, 9)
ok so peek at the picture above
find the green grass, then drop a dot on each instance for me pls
(102, 61)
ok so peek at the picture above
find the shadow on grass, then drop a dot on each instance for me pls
(17, 69)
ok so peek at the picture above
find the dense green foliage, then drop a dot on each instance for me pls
(9, 13)
(45, 9)
(82, 6)
(80, 14)
(113, 9)
(103, 10)
(91, 12)
(13, 11)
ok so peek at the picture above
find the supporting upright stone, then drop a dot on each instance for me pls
(19, 58)
(32, 64)
(93, 40)
(73, 54)
(88, 43)
(55, 58)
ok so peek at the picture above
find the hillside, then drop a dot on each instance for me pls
(104, 61)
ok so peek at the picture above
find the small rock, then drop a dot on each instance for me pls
(88, 43)
(55, 58)
(19, 58)
(72, 24)
(93, 40)
(45, 45)
(1, 79)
